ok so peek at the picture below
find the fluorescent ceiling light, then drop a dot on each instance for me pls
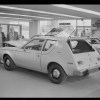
(77, 9)
(16, 18)
(44, 12)
(23, 15)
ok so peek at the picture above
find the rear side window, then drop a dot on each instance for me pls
(79, 46)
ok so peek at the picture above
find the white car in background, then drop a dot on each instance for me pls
(95, 42)
(18, 43)
(56, 56)
(15, 43)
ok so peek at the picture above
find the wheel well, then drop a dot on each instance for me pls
(9, 56)
(5, 55)
(51, 64)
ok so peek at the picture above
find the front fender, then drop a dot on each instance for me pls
(6, 53)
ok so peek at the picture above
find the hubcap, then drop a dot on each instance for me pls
(7, 62)
(56, 73)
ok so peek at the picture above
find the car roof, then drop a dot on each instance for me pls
(60, 38)
(51, 37)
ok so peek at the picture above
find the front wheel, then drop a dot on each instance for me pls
(8, 63)
(56, 73)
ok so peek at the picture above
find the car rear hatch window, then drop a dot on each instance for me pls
(79, 46)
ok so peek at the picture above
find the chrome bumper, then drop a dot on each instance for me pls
(86, 71)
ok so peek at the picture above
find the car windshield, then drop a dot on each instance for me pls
(55, 31)
(61, 32)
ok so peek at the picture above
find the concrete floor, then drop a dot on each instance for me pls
(26, 83)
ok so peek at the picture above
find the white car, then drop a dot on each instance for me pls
(58, 57)
(95, 42)
(17, 43)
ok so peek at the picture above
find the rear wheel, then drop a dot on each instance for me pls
(9, 63)
(56, 73)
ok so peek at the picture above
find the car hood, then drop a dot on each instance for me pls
(9, 48)
(18, 43)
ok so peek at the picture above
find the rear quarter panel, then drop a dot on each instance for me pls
(62, 55)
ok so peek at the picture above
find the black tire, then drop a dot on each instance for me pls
(11, 65)
(60, 78)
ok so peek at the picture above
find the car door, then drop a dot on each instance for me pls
(29, 56)
(46, 55)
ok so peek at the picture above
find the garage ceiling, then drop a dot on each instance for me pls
(48, 12)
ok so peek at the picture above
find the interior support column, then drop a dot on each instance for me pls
(33, 28)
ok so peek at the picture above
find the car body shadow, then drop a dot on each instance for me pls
(72, 81)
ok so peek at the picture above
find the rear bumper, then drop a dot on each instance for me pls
(86, 71)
